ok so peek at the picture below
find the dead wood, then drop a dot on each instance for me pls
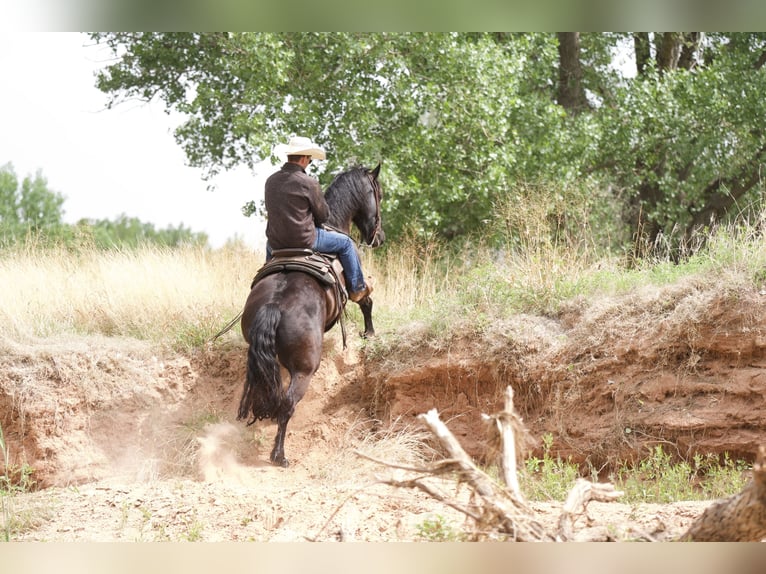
(494, 508)
(739, 518)
(509, 427)
(577, 502)
(499, 505)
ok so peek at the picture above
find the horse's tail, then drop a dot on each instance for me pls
(263, 395)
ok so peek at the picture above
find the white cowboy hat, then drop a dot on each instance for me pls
(304, 146)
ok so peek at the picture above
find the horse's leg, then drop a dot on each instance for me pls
(299, 384)
(366, 307)
(278, 452)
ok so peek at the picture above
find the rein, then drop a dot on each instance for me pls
(228, 327)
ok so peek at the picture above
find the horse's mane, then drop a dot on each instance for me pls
(345, 194)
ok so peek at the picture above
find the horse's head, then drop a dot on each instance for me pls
(368, 218)
(354, 197)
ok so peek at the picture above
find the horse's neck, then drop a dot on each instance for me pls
(340, 217)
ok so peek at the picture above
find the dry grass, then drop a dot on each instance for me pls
(425, 292)
(180, 296)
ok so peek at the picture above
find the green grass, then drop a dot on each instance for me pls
(448, 291)
(14, 480)
(547, 478)
(658, 479)
(655, 479)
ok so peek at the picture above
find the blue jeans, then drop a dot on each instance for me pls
(342, 246)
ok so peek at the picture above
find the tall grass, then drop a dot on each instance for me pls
(180, 296)
(446, 291)
(424, 289)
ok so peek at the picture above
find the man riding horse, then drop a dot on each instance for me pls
(296, 210)
(290, 307)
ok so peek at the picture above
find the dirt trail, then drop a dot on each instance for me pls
(128, 444)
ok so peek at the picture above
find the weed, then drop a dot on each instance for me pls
(659, 479)
(14, 480)
(437, 529)
(721, 479)
(193, 531)
(547, 478)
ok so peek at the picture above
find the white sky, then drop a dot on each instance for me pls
(108, 162)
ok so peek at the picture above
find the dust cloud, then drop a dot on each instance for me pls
(216, 458)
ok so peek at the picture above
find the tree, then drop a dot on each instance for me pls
(29, 207)
(127, 231)
(461, 120)
(455, 118)
(686, 143)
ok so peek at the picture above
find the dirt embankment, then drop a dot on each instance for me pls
(680, 367)
(141, 432)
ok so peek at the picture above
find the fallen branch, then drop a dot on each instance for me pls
(741, 517)
(576, 503)
(500, 507)
(509, 426)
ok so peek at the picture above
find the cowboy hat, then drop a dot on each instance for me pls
(304, 146)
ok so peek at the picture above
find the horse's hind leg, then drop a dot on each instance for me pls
(278, 452)
(299, 384)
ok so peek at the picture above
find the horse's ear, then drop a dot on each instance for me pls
(375, 172)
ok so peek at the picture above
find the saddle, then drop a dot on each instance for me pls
(326, 268)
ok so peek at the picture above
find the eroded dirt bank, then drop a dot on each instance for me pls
(128, 443)
(680, 367)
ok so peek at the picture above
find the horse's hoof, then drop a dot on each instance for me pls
(280, 461)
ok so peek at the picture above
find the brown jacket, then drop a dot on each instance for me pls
(295, 206)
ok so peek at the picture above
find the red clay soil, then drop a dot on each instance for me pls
(603, 396)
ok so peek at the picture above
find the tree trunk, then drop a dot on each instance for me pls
(641, 45)
(739, 518)
(690, 44)
(571, 94)
(668, 51)
(718, 203)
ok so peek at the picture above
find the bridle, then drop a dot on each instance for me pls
(378, 221)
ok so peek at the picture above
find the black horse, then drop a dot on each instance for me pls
(287, 313)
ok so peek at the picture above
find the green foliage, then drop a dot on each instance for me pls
(131, 232)
(547, 478)
(660, 479)
(437, 529)
(685, 145)
(455, 118)
(459, 119)
(31, 213)
(27, 208)
(657, 479)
